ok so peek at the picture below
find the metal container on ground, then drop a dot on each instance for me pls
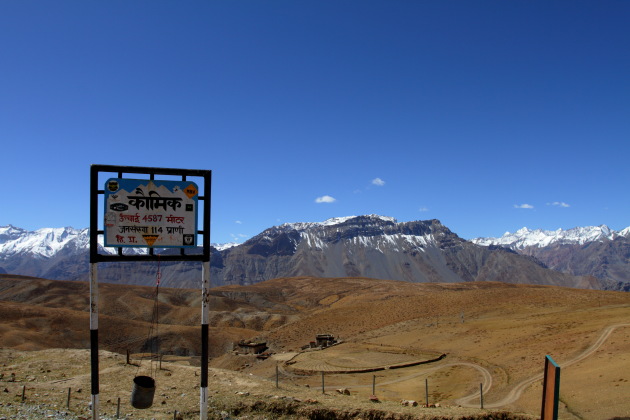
(143, 391)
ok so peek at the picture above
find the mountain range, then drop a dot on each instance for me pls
(595, 250)
(357, 246)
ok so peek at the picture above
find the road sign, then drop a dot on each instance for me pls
(150, 213)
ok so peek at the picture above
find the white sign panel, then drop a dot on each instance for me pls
(150, 213)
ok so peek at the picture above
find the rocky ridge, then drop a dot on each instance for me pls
(367, 246)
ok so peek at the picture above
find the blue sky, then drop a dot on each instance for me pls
(486, 115)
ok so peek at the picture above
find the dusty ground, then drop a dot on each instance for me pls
(47, 375)
(493, 334)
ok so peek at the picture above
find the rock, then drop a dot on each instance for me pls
(343, 391)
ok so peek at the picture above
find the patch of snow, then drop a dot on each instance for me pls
(302, 226)
(625, 232)
(222, 247)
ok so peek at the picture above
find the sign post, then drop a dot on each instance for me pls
(551, 390)
(149, 213)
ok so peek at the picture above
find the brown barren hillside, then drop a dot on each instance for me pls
(493, 334)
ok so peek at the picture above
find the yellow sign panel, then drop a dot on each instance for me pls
(150, 239)
(191, 191)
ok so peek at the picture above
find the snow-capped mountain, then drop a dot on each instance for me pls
(593, 250)
(47, 242)
(354, 246)
(525, 237)
(44, 242)
(378, 247)
(222, 247)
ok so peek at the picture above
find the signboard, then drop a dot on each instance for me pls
(150, 213)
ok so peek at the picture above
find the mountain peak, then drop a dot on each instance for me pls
(336, 221)
(525, 237)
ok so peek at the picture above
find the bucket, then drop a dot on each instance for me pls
(143, 390)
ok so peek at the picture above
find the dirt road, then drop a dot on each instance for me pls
(514, 394)
(517, 391)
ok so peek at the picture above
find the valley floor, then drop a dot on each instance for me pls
(46, 379)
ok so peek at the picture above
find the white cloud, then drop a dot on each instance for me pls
(423, 209)
(523, 206)
(238, 236)
(325, 199)
(558, 204)
(378, 181)
(238, 222)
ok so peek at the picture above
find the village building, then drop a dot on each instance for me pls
(249, 347)
(325, 340)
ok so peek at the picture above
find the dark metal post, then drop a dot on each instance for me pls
(94, 339)
(94, 289)
(205, 299)
(323, 392)
(68, 402)
(481, 395)
(373, 384)
(426, 390)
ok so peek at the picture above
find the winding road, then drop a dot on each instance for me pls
(516, 392)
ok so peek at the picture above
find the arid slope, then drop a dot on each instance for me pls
(493, 334)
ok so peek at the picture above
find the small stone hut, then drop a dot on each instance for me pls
(250, 347)
(325, 340)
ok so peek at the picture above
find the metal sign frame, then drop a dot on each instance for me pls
(96, 192)
(185, 254)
